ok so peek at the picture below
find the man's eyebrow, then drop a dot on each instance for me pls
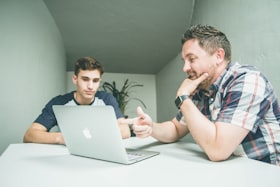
(188, 55)
(86, 77)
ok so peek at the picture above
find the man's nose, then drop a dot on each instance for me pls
(186, 66)
(90, 84)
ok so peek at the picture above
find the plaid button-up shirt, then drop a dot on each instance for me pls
(244, 97)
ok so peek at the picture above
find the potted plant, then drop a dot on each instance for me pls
(122, 96)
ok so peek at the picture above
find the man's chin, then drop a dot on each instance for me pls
(204, 86)
(192, 77)
(89, 96)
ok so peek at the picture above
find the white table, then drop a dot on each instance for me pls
(182, 163)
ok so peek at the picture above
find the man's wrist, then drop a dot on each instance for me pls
(152, 125)
(58, 139)
(180, 99)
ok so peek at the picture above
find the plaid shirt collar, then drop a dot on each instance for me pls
(211, 93)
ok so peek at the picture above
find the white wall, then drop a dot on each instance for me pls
(253, 29)
(33, 69)
(167, 82)
(33, 62)
(251, 26)
(147, 93)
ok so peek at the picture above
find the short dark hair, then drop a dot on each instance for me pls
(87, 63)
(209, 38)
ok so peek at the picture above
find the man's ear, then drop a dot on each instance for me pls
(220, 55)
(74, 79)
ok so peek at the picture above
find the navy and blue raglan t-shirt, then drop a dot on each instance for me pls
(102, 98)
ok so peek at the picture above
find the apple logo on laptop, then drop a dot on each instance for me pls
(87, 133)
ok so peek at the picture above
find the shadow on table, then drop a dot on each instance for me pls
(185, 149)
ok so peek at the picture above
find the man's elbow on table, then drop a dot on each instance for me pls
(27, 138)
(217, 156)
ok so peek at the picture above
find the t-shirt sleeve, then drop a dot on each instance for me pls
(109, 99)
(47, 117)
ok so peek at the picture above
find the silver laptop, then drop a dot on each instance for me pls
(92, 131)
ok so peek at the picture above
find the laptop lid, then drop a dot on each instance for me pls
(93, 131)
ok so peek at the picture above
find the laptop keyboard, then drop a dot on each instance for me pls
(132, 156)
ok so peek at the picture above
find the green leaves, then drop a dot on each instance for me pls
(122, 95)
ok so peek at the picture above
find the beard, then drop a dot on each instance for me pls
(204, 85)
